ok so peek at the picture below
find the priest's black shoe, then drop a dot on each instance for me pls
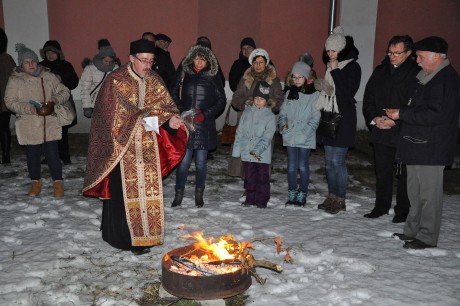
(374, 214)
(140, 250)
(402, 237)
(417, 245)
(399, 218)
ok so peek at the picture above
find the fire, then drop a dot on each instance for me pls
(221, 250)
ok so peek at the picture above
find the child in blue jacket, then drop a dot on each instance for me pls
(253, 144)
(298, 121)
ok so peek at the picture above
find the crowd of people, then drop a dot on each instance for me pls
(149, 118)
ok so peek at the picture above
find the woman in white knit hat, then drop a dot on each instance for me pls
(338, 88)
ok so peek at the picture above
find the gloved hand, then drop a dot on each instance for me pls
(322, 84)
(88, 112)
(199, 117)
(255, 155)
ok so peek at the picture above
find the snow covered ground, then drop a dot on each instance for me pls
(51, 251)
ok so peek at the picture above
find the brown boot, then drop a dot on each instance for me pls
(36, 188)
(58, 188)
(337, 205)
(327, 203)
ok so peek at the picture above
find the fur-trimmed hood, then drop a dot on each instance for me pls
(206, 53)
(268, 76)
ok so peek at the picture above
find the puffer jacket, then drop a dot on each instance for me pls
(298, 121)
(32, 129)
(201, 90)
(254, 134)
(90, 78)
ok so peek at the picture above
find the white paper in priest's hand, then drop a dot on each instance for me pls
(151, 124)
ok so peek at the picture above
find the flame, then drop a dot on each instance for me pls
(225, 248)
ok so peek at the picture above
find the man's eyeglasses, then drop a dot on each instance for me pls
(395, 53)
(144, 61)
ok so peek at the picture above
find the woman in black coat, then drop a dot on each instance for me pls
(338, 88)
(53, 58)
(198, 88)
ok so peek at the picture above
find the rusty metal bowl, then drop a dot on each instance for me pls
(201, 287)
(46, 109)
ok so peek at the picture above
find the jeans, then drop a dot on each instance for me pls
(298, 160)
(34, 153)
(201, 159)
(336, 171)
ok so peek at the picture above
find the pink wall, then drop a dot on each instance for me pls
(2, 21)
(419, 19)
(285, 29)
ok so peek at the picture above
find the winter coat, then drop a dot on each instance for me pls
(64, 70)
(430, 121)
(90, 78)
(201, 90)
(23, 87)
(298, 121)
(388, 87)
(254, 134)
(7, 65)
(237, 70)
(346, 81)
(245, 88)
(164, 66)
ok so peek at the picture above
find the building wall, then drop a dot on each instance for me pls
(419, 19)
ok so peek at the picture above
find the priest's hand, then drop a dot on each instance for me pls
(175, 122)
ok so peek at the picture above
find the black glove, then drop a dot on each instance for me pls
(88, 112)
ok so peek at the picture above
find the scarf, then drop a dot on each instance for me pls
(326, 102)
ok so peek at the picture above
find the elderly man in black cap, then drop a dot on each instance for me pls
(427, 140)
(136, 138)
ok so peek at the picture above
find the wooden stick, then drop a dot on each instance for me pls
(268, 265)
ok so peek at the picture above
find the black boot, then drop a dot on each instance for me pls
(178, 198)
(199, 197)
(5, 138)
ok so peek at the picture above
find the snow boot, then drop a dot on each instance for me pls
(337, 205)
(36, 188)
(58, 187)
(301, 198)
(178, 197)
(292, 197)
(199, 197)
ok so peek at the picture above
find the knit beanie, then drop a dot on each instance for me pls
(106, 51)
(52, 45)
(259, 52)
(25, 53)
(302, 69)
(248, 41)
(262, 89)
(336, 41)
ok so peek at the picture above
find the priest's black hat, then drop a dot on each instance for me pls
(141, 46)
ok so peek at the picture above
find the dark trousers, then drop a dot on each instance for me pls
(34, 152)
(384, 157)
(257, 183)
(64, 144)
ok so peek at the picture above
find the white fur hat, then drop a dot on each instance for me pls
(336, 41)
(259, 52)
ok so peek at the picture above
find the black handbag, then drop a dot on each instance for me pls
(329, 123)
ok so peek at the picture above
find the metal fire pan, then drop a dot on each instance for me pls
(201, 287)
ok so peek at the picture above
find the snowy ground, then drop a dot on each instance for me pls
(51, 251)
